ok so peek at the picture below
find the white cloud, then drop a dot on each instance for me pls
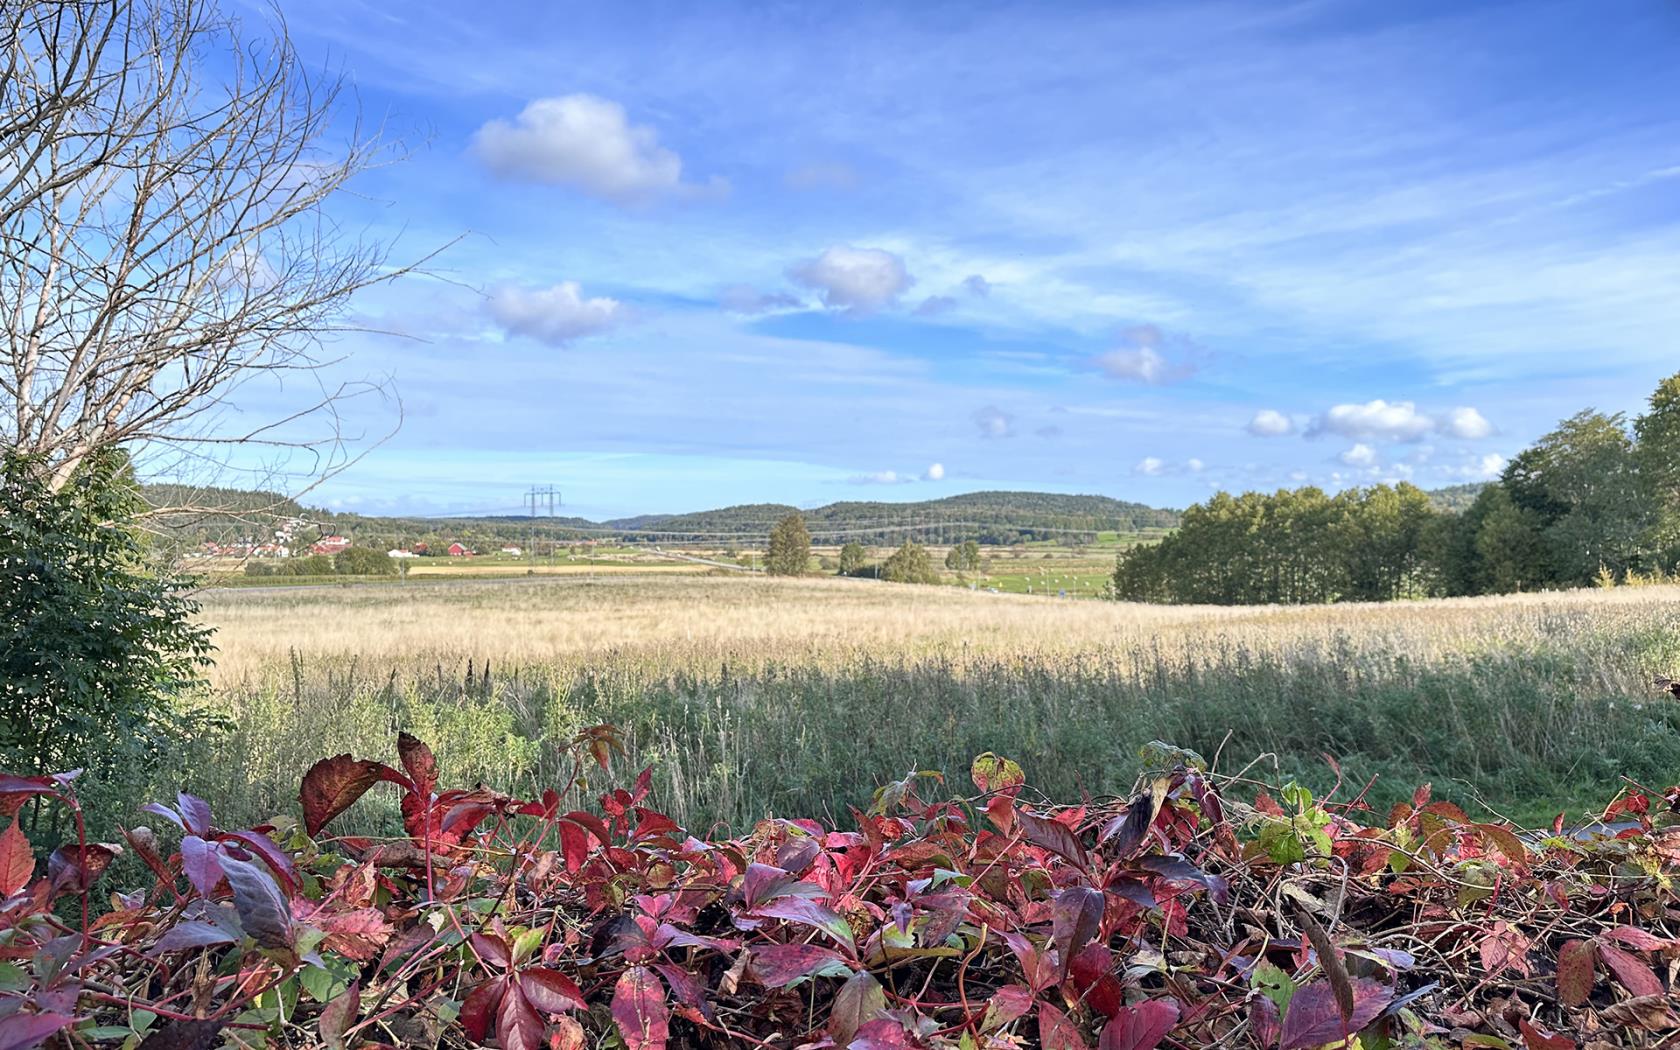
(994, 422)
(1149, 465)
(880, 477)
(1269, 422)
(1380, 420)
(1466, 423)
(1359, 456)
(857, 279)
(1140, 359)
(554, 315)
(935, 472)
(585, 142)
(1196, 466)
(745, 299)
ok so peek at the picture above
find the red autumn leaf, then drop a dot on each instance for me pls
(77, 866)
(993, 773)
(550, 991)
(333, 784)
(337, 1015)
(418, 762)
(1315, 1018)
(479, 1011)
(1638, 939)
(638, 1007)
(518, 1026)
(1575, 972)
(1006, 1004)
(856, 1003)
(1076, 914)
(1056, 1031)
(1054, 836)
(1140, 1027)
(17, 860)
(807, 912)
(779, 965)
(491, 948)
(1635, 976)
(1536, 1038)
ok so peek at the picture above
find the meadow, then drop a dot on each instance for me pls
(751, 696)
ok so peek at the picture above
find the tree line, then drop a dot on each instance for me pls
(1596, 500)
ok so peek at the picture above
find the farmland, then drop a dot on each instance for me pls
(751, 696)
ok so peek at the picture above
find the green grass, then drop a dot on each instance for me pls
(1530, 727)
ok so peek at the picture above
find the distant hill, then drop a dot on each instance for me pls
(991, 517)
(1456, 499)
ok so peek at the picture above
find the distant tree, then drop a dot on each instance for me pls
(1510, 546)
(852, 557)
(1657, 434)
(313, 565)
(909, 564)
(790, 548)
(364, 561)
(964, 557)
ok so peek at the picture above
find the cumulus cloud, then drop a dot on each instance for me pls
(1150, 466)
(935, 472)
(994, 422)
(556, 315)
(584, 142)
(1381, 420)
(1139, 358)
(1466, 423)
(1491, 465)
(856, 279)
(745, 299)
(1269, 422)
(1195, 466)
(1359, 456)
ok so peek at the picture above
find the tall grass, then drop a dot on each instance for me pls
(750, 698)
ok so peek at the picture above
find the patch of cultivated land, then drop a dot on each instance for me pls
(750, 696)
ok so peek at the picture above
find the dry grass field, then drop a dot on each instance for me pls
(751, 696)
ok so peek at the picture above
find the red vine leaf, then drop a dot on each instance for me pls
(638, 1007)
(1140, 1027)
(1575, 972)
(333, 784)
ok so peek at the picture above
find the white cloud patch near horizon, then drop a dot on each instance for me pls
(555, 315)
(585, 142)
(1269, 422)
(1139, 359)
(861, 280)
(1380, 420)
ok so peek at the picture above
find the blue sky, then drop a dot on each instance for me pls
(709, 254)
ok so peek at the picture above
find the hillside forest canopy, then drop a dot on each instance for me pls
(1595, 501)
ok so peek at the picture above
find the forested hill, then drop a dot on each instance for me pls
(1456, 499)
(1000, 517)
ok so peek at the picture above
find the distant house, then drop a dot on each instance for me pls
(329, 545)
(400, 553)
(418, 548)
(512, 551)
(458, 550)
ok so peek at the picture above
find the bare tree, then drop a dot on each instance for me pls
(163, 236)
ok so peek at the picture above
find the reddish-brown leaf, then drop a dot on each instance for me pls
(1575, 972)
(1140, 1027)
(491, 948)
(21, 1031)
(1635, 976)
(418, 762)
(1638, 939)
(1653, 1013)
(17, 860)
(1076, 914)
(1056, 1031)
(638, 1007)
(857, 1002)
(332, 785)
(993, 773)
(1006, 1004)
(1315, 1018)
(479, 1011)
(1537, 1038)
(518, 1025)
(550, 991)
(779, 965)
(338, 1015)
(1054, 836)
